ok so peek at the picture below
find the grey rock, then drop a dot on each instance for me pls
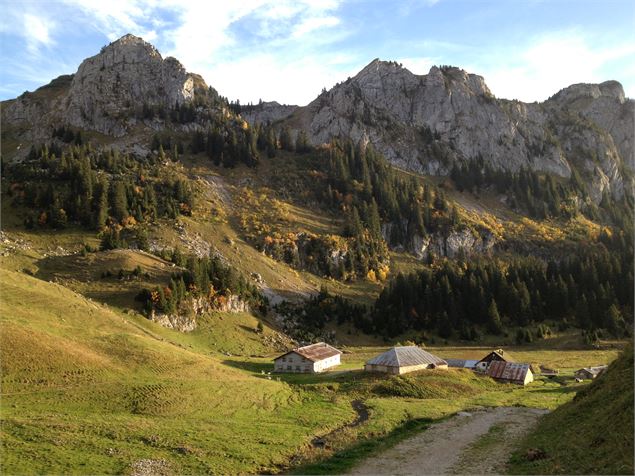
(267, 112)
(430, 122)
(105, 92)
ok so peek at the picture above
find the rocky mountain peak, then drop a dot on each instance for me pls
(429, 123)
(607, 89)
(127, 73)
(378, 67)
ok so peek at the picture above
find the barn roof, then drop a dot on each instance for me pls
(496, 354)
(406, 357)
(314, 352)
(461, 363)
(509, 371)
(593, 370)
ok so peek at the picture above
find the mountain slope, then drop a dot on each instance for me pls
(86, 390)
(593, 434)
(431, 122)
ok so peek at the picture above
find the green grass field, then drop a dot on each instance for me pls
(87, 388)
(86, 391)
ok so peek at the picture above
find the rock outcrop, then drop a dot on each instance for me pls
(106, 92)
(267, 112)
(185, 319)
(430, 122)
(127, 74)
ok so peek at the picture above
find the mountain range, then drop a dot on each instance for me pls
(421, 123)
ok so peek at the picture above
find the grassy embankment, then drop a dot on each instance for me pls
(593, 434)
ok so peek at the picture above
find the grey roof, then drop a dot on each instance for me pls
(508, 371)
(405, 357)
(593, 370)
(455, 362)
(461, 363)
(314, 352)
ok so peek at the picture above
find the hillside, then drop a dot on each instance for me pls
(593, 434)
(86, 389)
(173, 169)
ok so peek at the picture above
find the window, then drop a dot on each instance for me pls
(284, 359)
(289, 367)
(297, 367)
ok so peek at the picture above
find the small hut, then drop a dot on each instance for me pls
(494, 356)
(510, 372)
(547, 372)
(589, 373)
(401, 360)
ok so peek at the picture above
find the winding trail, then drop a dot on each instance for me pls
(477, 442)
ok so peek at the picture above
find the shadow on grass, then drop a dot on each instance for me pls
(343, 460)
(254, 367)
(334, 376)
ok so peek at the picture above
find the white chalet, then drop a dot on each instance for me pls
(312, 358)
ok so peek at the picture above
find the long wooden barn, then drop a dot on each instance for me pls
(401, 360)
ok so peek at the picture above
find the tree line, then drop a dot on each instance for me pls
(591, 289)
(94, 189)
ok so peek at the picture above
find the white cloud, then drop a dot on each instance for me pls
(417, 65)
(278, 57)
(114, 18)
(36, 32)
(311, 24)
(550, 63)
(269, 77)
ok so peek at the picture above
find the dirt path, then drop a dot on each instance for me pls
(477, 442)
(362, 416)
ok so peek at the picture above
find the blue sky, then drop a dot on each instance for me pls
(289, 50)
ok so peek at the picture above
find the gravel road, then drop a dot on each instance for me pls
(453, 446)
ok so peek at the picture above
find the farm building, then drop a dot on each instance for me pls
(401, 360)
(461, 363)
(547, 372)
(510, 372)
(494, 356)
(589, 373)
(311, 358)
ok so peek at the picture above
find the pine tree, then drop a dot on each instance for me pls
(119, 201)
(493, 319)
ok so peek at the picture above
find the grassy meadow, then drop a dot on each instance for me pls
(89, 389)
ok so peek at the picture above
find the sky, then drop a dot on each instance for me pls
(288, 50)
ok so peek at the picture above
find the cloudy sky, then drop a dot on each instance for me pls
(288, 50)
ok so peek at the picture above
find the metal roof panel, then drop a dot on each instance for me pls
(406, 357)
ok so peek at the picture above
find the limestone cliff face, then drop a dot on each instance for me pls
(106, 91)
(267, 112)
(428, 123)
(424, 123)
(185, 319)
(126, 74)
